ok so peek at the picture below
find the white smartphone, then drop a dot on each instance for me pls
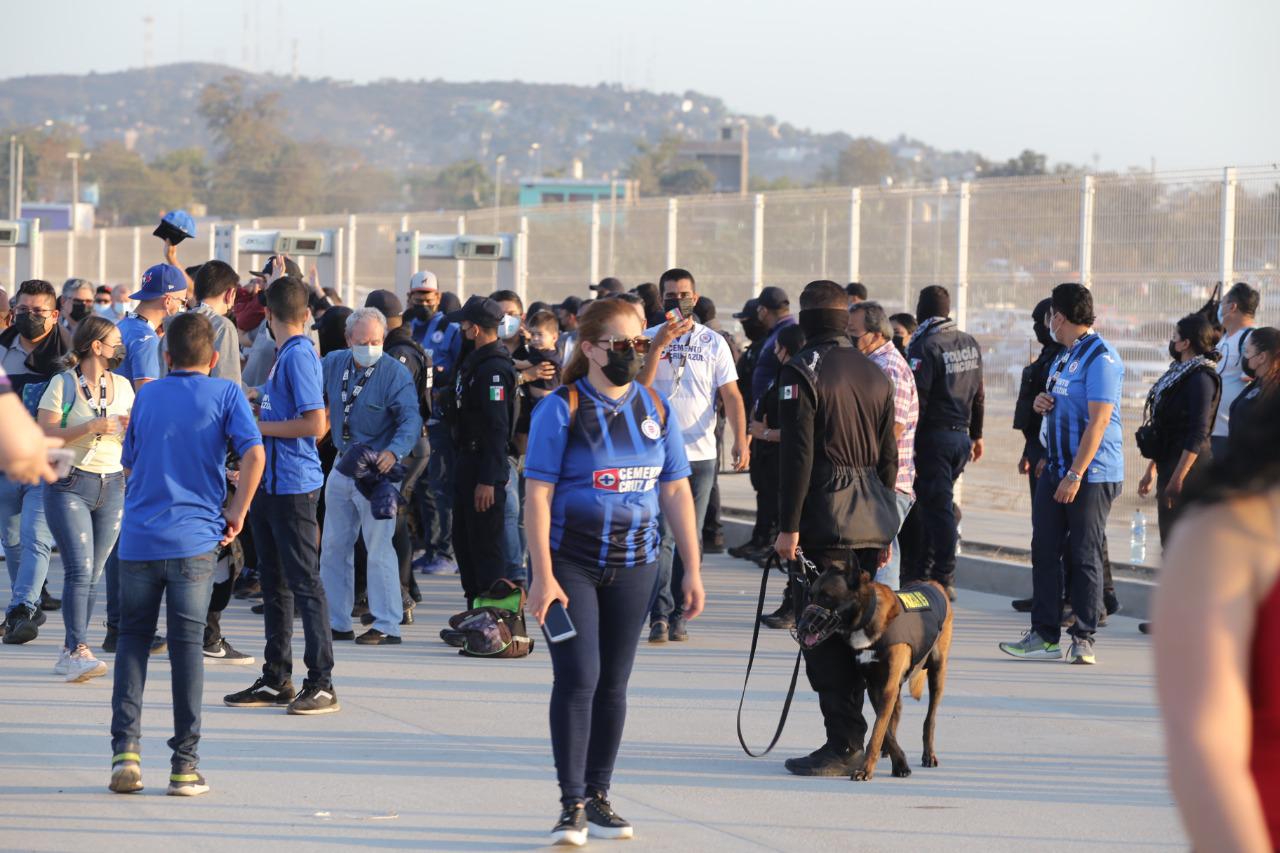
(60, 461)
(558, 626)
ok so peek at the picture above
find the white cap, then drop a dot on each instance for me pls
(424, 280)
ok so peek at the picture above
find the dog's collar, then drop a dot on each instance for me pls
(868, 615)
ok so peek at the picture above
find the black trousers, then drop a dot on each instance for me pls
(288, 541)
(415, 465)
(941, 456)
(764, 479)
(830, 665)
(478, 537)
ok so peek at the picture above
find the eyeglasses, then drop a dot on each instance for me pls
(38, 312)
(640, 345)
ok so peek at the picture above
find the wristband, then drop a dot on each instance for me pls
(1073, 476)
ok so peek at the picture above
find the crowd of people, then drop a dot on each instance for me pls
(260, 440)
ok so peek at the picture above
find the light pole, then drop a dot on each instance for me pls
(75, 157)
(497, 181)
(535, 150)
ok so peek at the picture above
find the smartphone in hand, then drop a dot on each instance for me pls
(557, 625)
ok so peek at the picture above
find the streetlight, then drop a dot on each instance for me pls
(75, 157)
(535, 150)
(497, 182)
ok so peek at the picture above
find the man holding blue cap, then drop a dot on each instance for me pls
(176, 226)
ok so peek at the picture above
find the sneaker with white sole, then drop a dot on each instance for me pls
(126, 773)
(571, 829)
(60, 668)
(82, 665)
(604, 822)
(314, 700)
(224, 652)
(1032, 647)
(1081, 651)
(188, 783)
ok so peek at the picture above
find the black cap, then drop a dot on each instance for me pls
(385, 301)
(608, 285)
(572, 304)
(773, 298)
(290, 268)
(748, 311)
(480, 310)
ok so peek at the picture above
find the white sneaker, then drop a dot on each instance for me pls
(60, 668)
(82, 665)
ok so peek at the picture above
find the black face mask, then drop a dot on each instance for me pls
(900, 344)
(754, 330)
(1247, 370)
(685, 305)
(116, 358)
(1042, 334)
(1173, 353)
(80, 311)
(622, 367)
(29, 325)
(823, 322)
(417, 314)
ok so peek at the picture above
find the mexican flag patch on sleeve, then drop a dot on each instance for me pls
(790, 392)
(497, 393)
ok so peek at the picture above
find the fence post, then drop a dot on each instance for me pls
(349, 285)
(71, 254)
(522, 260)
(102, 256)
(962, 256)
(855, 232)
(672, 215)
(757, 246)
(906, 254)
(137, 258)
(593, 275)
(461, 268)
(302, 259)
(1086, 231)
(1227, 239)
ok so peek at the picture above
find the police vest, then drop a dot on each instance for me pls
(924, 609)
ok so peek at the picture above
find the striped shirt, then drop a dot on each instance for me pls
(1089, 371)
(906, 411)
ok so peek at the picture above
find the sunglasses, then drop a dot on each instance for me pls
(640, 345)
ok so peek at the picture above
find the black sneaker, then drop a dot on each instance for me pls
(315, 700)
(22, 625)
(745, 551)
(247, 584)
(406, 618)
(342, 635)
(826, 760)
(604, 820)
(714, 546)
(260, 695)
(187, 784)
(1022, 605)
(47, 601)
(571, 829)
(109, 641)
(126, 773)
(658, 632)
(374, 637)
(1110, 603)
(258, 609)
(224, 652)
(677, 632)
(782, 618)
(360, 608)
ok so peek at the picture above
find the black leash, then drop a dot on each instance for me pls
(773, 562)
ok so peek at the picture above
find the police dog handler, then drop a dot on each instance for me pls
(605, 456)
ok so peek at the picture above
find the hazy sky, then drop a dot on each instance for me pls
(1183, 81)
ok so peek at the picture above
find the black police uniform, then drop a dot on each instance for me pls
(1026, 420)
(838, 465)
(400, 345)
(764, 529)
(484, 418)
(947, 364)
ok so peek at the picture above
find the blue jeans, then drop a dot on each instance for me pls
(186, 585)
(437, 494)
(347, 513)
(514, 547)
(670, 566)
(890, 573)
(1073, 533)
(26, 540)
(83, 511)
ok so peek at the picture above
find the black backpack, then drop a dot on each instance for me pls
(404, 350)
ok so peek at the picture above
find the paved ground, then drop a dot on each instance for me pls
(437, 752)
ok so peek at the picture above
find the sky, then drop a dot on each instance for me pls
(1178, 83)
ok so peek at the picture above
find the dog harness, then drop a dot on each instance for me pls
(924, 609)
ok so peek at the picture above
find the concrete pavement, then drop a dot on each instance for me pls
(433, 751)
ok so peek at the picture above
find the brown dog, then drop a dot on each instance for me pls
(895, 636)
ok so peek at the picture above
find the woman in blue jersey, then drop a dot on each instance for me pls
(604, 460)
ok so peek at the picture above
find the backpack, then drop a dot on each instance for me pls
(32, 393)
(494, 627)
(402, 351)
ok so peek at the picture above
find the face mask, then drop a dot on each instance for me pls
(1247, 369)
(508, 326)
(1173, 352)
(1222, 310)
(79, 311)
(622, 367)
(899, 344)
(116, 358)
(366, 355)
(1043, 335)
(754, 331)
(104, 311)
(821, 322)
(685, 305)
(29, 325)
(415, 314)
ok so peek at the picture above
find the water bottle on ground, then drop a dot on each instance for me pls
(1138, 538)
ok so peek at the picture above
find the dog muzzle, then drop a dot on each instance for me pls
(815, 625)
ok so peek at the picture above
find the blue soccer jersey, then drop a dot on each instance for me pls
(1090, 371)
(606, 467)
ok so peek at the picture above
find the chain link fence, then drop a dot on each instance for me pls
(1150, 245)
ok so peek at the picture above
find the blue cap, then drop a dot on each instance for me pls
(176, 225)
(160, 280)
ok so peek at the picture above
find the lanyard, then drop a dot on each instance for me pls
(684, 361)
(1066, 359)
(100, 410)
(349, 399)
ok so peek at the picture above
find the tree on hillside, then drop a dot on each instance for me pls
(661, 170)
(865, 162)
(459, 186)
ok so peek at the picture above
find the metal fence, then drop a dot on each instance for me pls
(1150, 245)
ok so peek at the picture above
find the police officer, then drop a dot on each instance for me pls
(761, 541)
(484, 415)
(947, 364)
(839, 461)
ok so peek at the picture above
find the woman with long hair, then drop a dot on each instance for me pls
(1179, 417)
(1217, 617)
(87, 406)
(1260, 362)
(605, 457)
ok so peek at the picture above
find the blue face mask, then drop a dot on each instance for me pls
(1222, 310)
(508, 326)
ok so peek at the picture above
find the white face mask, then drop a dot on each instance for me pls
(508, 326)
(366, 355)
